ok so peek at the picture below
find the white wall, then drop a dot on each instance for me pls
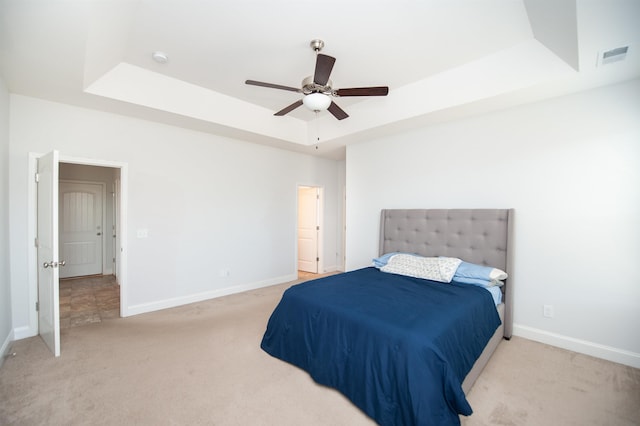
(570, 167)
(6, 329)
(209, 204)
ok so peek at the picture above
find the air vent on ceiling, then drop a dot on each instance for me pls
(613, 55)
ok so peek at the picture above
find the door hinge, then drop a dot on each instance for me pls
(37, 306)
(317, 228)
(317, 259)
(37, 177)
(36, 242)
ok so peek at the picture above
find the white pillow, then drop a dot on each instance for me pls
(439, 269)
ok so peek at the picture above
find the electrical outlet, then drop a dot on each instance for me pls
(547, 311)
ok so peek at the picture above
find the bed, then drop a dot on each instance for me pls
(404, 350)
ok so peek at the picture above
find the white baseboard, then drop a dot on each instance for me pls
(5, 346)
(199, 297)
(24, 332)
(597, 350)
(330, 268)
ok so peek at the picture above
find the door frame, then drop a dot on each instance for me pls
(320, 189)
(32, 258)
(103, 214)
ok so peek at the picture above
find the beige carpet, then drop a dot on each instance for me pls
(201, 365)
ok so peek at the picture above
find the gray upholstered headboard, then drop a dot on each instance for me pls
(481, 236)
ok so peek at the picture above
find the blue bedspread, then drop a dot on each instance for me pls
(397, 347)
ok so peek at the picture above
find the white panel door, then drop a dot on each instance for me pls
(308, 229)
(81, 230)
(47, 214)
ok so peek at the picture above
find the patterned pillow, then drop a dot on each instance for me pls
(431, 268)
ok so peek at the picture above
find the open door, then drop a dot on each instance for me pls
(47, 243)
(308, 229)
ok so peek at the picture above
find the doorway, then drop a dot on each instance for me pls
(310, 230)
(113, 259)
(88, 217)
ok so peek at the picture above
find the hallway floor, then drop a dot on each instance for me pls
(302, 275)
(88, 300)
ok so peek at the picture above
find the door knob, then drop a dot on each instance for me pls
(51, 264)
(63, 263)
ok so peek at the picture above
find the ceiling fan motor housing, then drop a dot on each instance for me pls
(309, 86)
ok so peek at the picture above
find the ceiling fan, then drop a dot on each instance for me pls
(318, 90)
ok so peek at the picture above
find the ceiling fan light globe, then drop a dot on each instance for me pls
(317, 101)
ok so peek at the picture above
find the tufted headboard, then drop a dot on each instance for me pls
(481, 236)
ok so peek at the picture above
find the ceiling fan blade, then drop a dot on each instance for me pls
(324, 65)
(290, 108)
(273, 86)
(337, 111)
(364, 91)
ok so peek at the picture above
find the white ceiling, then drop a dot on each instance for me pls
(441, 59)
